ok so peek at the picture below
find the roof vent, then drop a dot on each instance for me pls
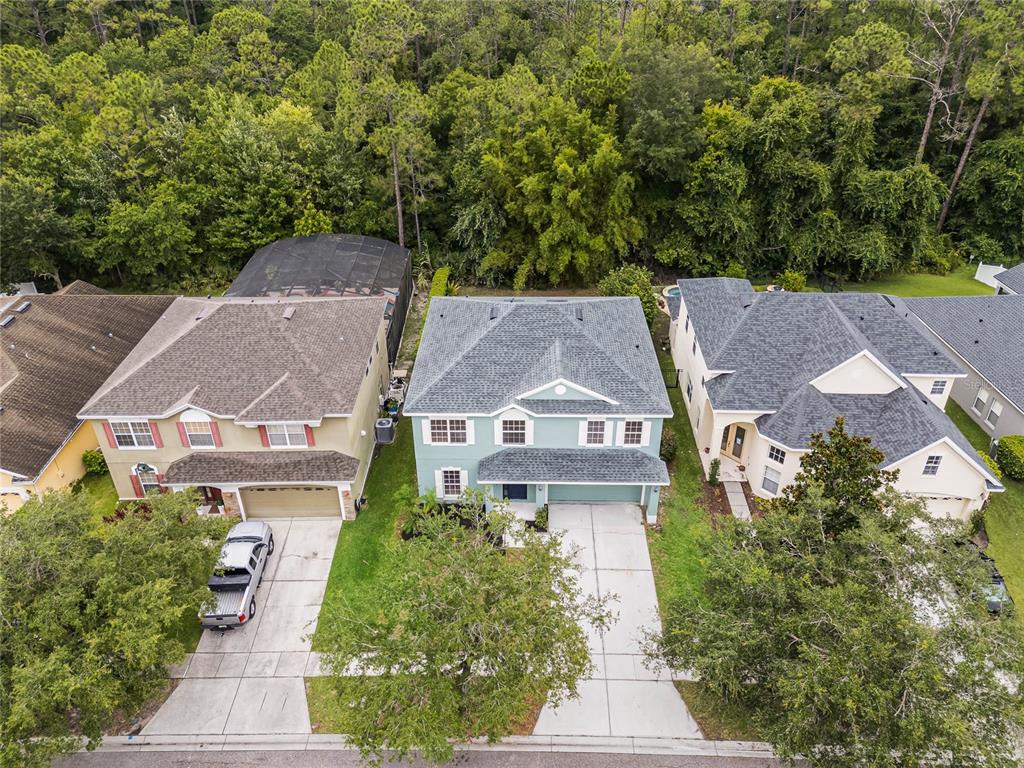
(579, 313)
(494, 313)
(889, 301)
(288, 312)
(980, 319)
(6, 321)
(23, 307)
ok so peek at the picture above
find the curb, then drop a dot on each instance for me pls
(630, 745)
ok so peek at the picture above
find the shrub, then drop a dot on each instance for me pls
(541, 520)
(735, 269)
(1010, 456)
(991, 464)
(669, 444)
(632, 280)
(716, 464)
(439, 284)
(791, 280)
(94, 462)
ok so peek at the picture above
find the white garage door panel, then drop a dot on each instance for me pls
(946, 507)
(302, 501)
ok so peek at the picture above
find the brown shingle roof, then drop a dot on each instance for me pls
(53, 357)
(242, 358)
(81, 288)
(262, 467)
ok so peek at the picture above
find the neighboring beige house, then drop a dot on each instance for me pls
(265, 405)
(762, 372)
(985, 334)
(55, 351)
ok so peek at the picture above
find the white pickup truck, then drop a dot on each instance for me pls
(237, 575)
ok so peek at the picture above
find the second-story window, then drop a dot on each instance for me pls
(776, 454)
(448, 431)
(595, 433)
(132, 434)
(939, 387)
(199, 433)
(633, 433)
(931, 465)
(513, 432)
(286, 435)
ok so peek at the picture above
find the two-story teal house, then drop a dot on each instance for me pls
(539, 401)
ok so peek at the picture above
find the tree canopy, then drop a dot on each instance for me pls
(462, 637)
(156, 144)
(92, 614)
(854, 631)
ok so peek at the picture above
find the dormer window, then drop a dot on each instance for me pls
(198, 433)
(939, 387)
(931, 465)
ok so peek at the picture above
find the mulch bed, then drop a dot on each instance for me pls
(716, 503)
(752, 501)
(123, 725)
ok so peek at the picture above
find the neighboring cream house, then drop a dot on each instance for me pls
(265, 405)
(762, 372)
(985, 335)
(55, 351)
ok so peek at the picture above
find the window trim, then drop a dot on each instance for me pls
(523, 432)
(444, 483)
(777, 480)
(941, 384)
(443, 435)
(188, 434)
(777, 450)
(931, 468)
(133, 434)
(992, 409)
(984, 400)
(289, 445)
(639, 435)
(587, 433)
(156, 485)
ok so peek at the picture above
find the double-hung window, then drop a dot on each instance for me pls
(931, 465)
(980, 400)
(993, 415)
(939, 387)
(776, 454)
(286, 435)
(595, 433)
(148, 479)
(199, 433)
(451, 482)
(448, 431)
(689, 388)
(633, 433)
(132, 434)
(770, 481)
(513, 432)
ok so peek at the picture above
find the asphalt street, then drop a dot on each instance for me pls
(350, 759)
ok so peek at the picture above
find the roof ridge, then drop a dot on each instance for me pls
(263, 395)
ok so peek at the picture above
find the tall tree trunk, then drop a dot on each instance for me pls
(789, 31)
(963, 162)
(40, 29)
(933, 101)
(398, 184)
(623, 14)
(415, 201)
(600, 24)
(803, 32)
(955, 86)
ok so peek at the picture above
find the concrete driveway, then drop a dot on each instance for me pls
(250, 680)
(624, 698)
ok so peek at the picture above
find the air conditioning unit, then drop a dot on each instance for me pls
(384, 431)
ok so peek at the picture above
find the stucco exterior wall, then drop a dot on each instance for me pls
(957, 479)
(343, 434)
(859, 375)
(64, 468)
(965, 391)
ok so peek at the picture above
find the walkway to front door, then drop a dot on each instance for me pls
(624, 697)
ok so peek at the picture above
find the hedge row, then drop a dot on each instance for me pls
(439, 284)
(1010, 455)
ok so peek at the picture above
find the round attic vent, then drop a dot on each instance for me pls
(560, 389)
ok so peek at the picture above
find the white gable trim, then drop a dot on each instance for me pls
(863, 353)
(972, 460)
(567, 383)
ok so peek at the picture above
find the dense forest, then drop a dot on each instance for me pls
(155, 144)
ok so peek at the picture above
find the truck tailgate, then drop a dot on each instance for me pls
(229, 604)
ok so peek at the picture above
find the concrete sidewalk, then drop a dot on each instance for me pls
(251, 680)
(624, 698)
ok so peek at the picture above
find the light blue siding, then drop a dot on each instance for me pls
(548, 432)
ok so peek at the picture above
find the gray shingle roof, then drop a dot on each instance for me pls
(576, 465)
(243, 358)
(478, 355)
(986, 331)
(1013, 278)
(774, 344)
(262, 467)
(53, 358)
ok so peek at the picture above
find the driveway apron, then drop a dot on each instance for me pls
(251, 680)
(624, 697)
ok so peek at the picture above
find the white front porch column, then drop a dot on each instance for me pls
(715, 445)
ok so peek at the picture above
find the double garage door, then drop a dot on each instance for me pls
(291, 501)
(595, 493)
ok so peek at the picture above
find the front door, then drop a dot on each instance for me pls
(737, 441)
(514, 492)
(211, 495)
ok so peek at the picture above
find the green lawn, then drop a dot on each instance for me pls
(98, 492)
(363, 541)
(959, 282)
(1004, 516)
